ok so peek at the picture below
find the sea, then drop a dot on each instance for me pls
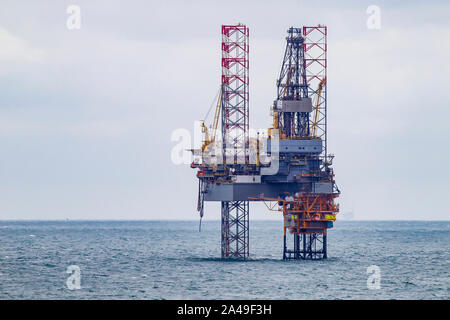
(173, 260)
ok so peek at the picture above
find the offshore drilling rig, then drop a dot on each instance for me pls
(287, 167)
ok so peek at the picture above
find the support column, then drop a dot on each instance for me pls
(296, 246)
(304, 246)
(235, 229)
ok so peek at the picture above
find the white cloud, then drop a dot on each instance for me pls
(15, 49)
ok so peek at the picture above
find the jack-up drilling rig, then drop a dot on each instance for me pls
(295, 177)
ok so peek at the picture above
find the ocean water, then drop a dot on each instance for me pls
(172, 260)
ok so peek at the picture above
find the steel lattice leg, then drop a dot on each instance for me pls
(235, 231)
(309, 246)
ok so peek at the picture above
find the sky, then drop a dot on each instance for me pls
(86, 115)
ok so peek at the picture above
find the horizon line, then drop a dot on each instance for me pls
(196, 220)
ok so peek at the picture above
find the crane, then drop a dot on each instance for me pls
(207, 140)
(316, 109)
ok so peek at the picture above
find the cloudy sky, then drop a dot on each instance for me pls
(86, 116)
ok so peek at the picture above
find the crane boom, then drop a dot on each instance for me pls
(316, 109)
(209, 140)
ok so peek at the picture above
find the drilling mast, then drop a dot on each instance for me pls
(292, 86)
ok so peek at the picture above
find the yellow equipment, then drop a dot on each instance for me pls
(207, 140)
(316, 109)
